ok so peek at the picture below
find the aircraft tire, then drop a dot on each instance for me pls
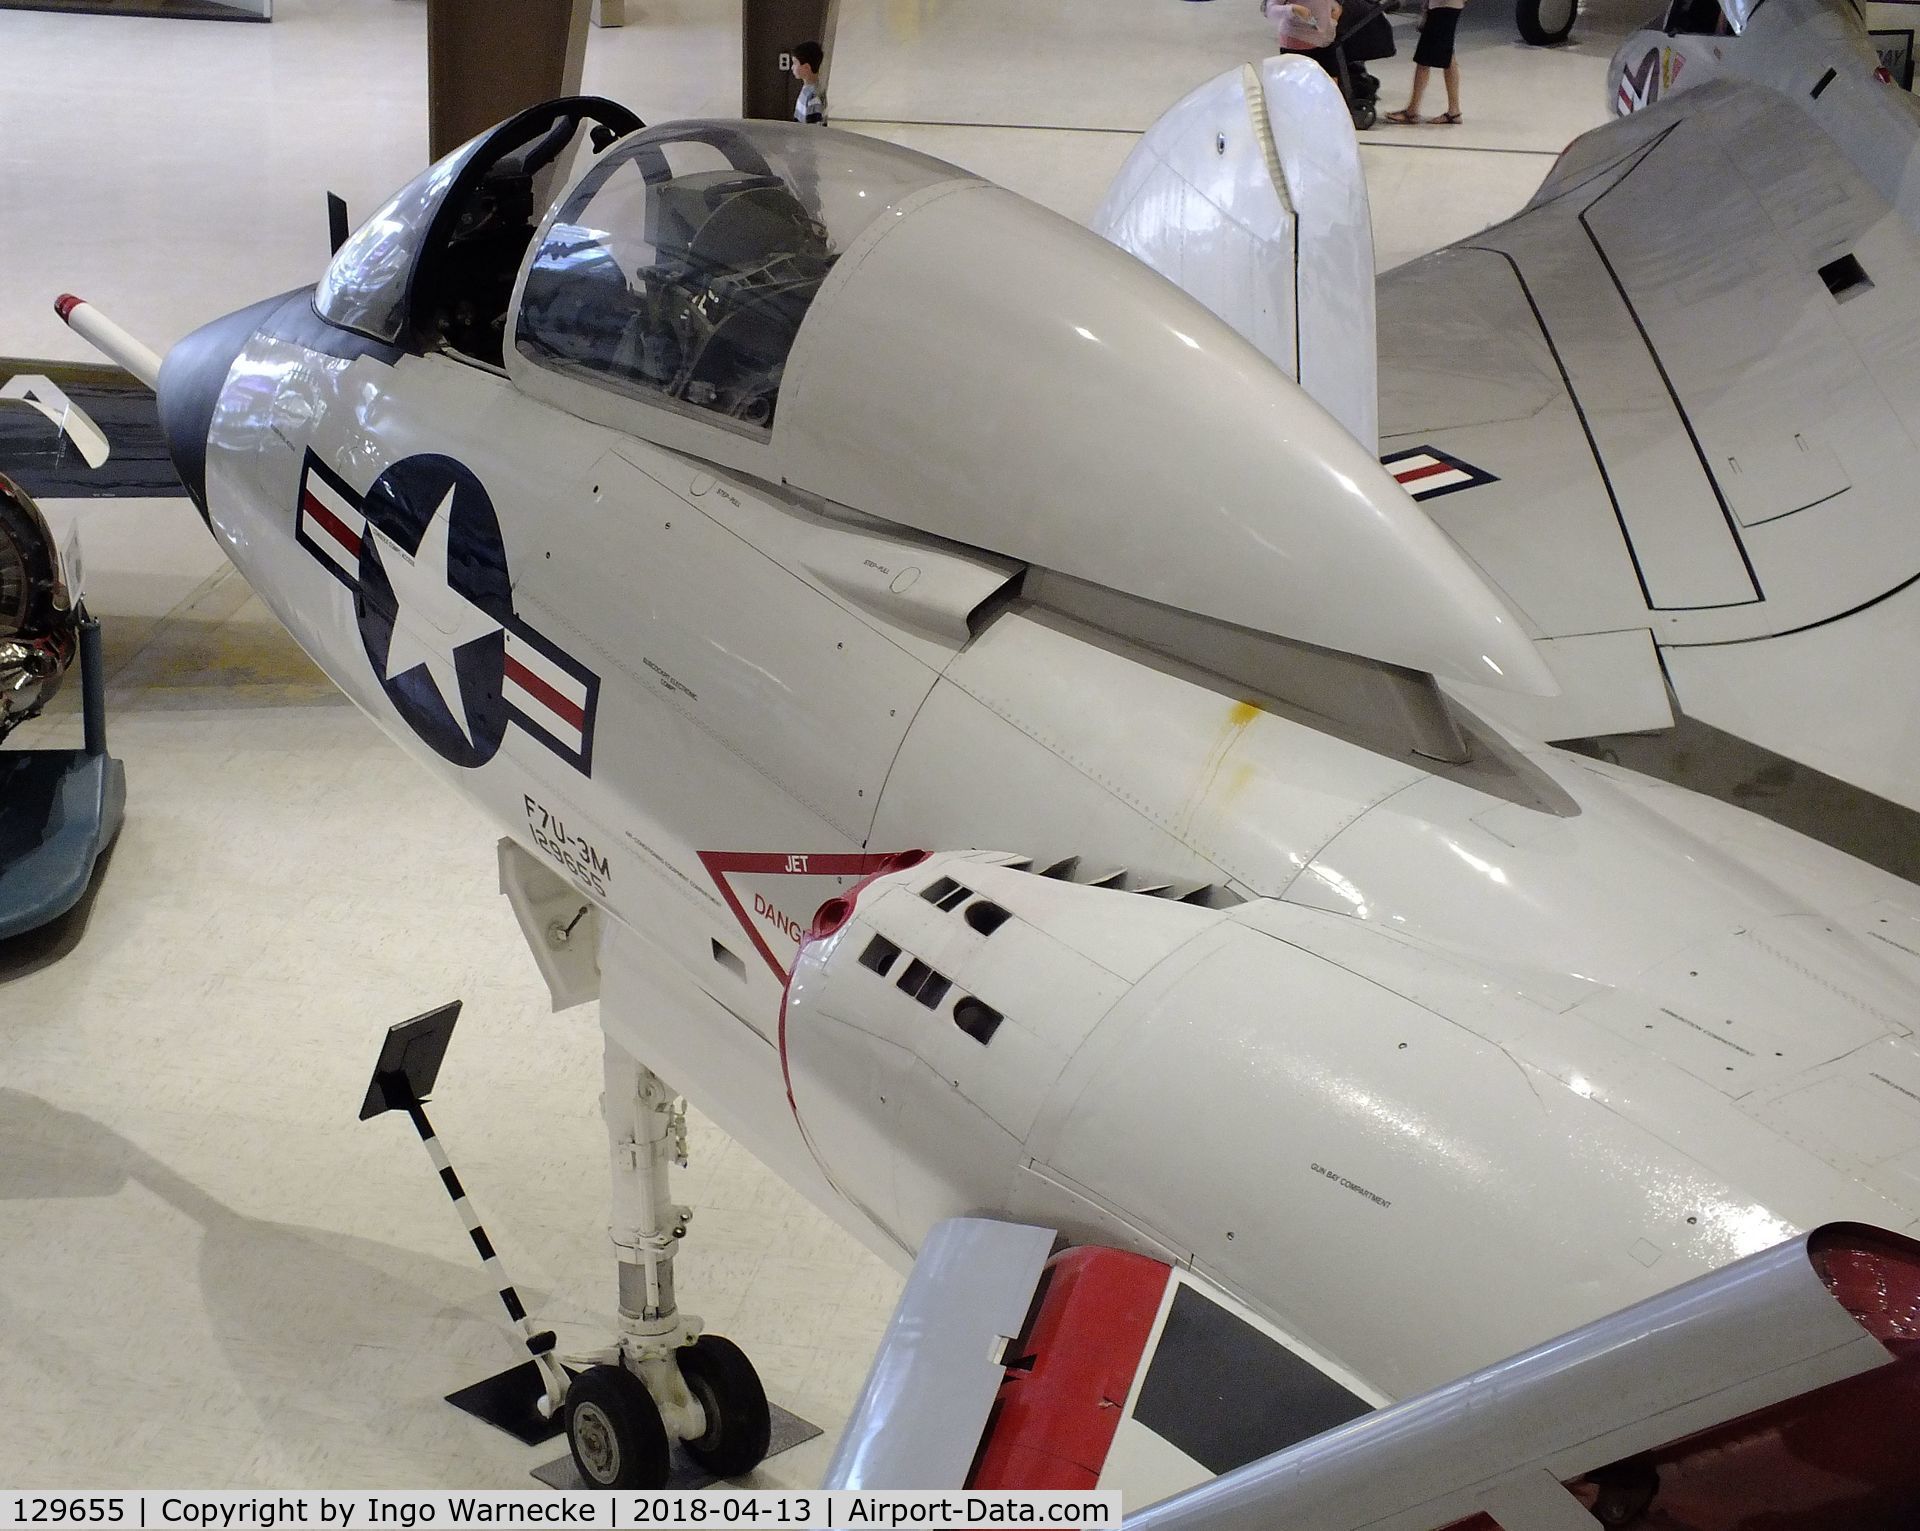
(1545, 23)
(614, 1431)
(739, 1423)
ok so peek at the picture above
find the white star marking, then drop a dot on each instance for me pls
(423, 589)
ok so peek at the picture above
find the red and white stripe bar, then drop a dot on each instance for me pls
(334, 526)
(545, 694)
(1422, 474)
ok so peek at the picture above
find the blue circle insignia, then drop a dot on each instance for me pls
(435, 602)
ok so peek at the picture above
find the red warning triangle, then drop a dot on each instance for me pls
(775, 894)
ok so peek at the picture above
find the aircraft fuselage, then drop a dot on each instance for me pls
(1613, 1020)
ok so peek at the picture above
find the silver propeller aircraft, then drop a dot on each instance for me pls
(1670, 408)
(976, 727)
(37, 617)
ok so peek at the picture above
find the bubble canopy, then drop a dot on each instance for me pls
(364, 288)
(678, 270)
(435, 265)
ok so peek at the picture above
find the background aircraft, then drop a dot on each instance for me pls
(37, 615)
(695, 521)
(1546, 23)
(1692, 41)
(1669, 408)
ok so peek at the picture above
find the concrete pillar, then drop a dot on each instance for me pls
(487, 59)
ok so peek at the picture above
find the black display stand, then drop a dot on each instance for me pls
(510, 1401)
(410, 1060)
(789, 1431)
(404, 1076)
(409, 1065)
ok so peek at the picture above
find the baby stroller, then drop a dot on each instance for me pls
(1361, 35)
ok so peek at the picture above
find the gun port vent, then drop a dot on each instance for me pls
(945, 893)
(977, 1020)
(986, 916)
(879, 955)
(1846, 278)
(923, 983)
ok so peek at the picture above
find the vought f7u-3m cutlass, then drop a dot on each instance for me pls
(992, 718)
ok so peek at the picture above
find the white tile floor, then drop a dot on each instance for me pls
(210, 1272)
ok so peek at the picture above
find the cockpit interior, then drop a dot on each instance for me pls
(468, 264)
(435, 267)
(679, 269)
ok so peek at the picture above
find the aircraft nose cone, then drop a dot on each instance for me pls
(191, 379)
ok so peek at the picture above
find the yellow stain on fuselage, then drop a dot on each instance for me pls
(1215, 785)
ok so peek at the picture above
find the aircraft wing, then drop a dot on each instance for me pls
(1670, 409)
(1782, 1391)
(1008, 1366)
(81, 431)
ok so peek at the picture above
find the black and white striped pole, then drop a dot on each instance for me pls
(410, 1060)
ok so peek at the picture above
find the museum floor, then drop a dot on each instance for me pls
(210, 1273)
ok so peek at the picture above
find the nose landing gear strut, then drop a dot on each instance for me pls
(665, 1380)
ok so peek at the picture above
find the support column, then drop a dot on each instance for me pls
(768, 28)
(487, 59)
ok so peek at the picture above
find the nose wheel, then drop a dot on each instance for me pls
(619, 1439)
(727, 1388)
(665, 1381)
(615, 1432)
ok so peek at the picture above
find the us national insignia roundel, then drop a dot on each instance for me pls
(422, 552)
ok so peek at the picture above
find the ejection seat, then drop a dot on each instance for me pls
(761, 256)
(472, 253)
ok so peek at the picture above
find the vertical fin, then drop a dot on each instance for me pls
(1248, 194)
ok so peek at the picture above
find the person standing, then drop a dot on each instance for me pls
(812, 105)
(1438, 22)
